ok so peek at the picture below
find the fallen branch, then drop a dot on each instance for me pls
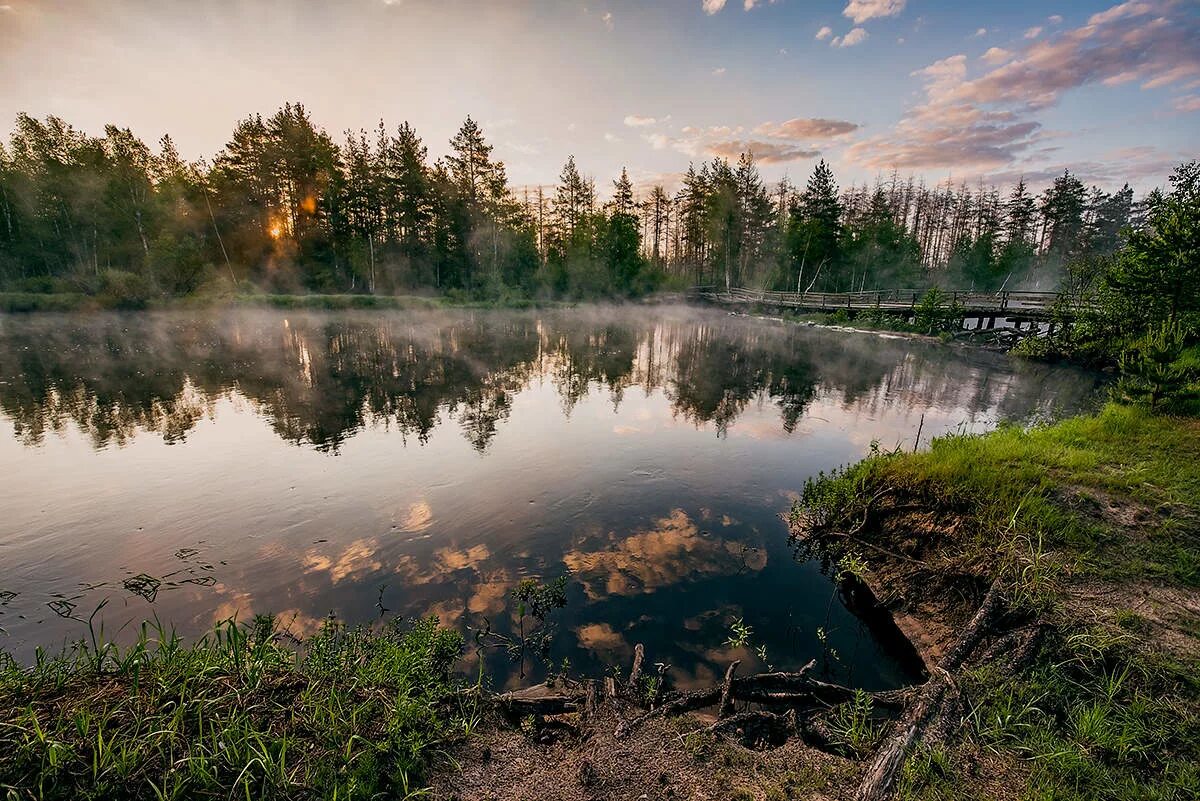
(796, 688)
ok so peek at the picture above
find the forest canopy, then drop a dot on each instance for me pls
(284, 207)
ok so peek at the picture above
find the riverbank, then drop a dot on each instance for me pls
(25, 302)
(1085, 682)
(1069, 552)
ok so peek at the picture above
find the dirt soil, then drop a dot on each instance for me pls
(663, 759)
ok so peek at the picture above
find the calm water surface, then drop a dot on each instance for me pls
(415, 463)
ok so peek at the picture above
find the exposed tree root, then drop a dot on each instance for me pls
(938, 694)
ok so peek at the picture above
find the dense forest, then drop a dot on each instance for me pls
(286, 208)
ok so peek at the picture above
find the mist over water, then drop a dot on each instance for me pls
(196, 466)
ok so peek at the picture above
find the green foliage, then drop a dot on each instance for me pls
(353, 713)
(533, 599)
(853, 725)
(124, 290)
(936, 312)
(1154, 372)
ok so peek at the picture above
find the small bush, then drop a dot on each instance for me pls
(124, 290)
(1154, 372)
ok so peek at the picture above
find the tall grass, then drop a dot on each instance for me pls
(349, 713)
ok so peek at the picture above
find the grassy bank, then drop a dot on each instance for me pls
(348, 713)
(1092, 528)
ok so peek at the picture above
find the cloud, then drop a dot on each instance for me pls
(855, 36)
(608, 19)
(764, 152)
(637, 121)
(1033, 32)
(862, 10)
(979, 32)
(1055, 19)
(1111, 48)
(611, 137)
(1132, 9)
(996, 55)
(806, 128)
(712, 6)
(1187, 104)
(940, 133)
(672, 552)
(987, 122)
(719, 71)
(824, 33)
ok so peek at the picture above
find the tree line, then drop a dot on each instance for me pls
(287, 208)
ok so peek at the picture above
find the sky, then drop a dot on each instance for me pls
(936, 89)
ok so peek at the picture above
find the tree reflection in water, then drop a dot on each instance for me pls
(648, 450)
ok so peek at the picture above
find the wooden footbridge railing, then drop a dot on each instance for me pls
(1027, 305)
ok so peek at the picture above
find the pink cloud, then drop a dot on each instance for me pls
(764, 152)
(806, 128)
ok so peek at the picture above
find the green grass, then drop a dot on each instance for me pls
(349, 713)
(1106, 710)
(1055, 479)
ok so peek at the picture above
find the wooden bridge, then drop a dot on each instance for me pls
(1017, 307)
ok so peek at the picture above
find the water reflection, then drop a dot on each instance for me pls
(425, 463)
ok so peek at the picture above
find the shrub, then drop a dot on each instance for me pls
(1154, 372)
(124, 290)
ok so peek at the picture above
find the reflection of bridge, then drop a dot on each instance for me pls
(1019, 308)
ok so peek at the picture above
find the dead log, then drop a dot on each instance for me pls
(541, 700)
(547, 705)
(881, 776)
(797, 687)
(726, 704)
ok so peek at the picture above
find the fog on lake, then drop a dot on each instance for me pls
(197, 466)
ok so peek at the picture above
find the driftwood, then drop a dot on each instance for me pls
(934, 696)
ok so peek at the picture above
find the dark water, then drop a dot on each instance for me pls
(306, 463)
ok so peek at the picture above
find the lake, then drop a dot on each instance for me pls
(197, 466)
